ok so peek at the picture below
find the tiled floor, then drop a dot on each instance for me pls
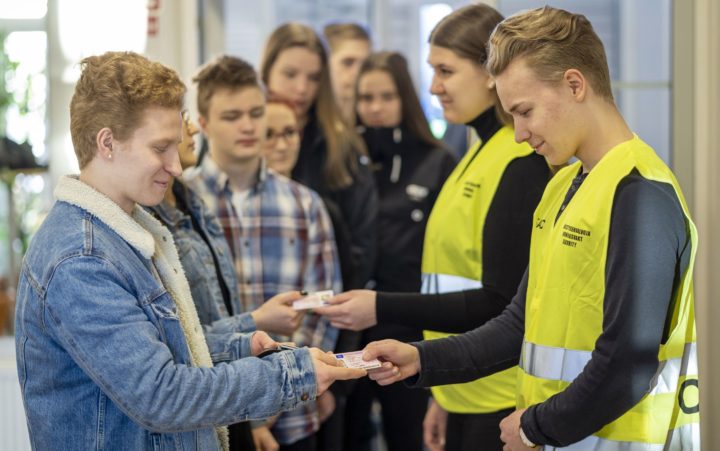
(13, 431)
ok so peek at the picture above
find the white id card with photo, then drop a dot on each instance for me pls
(354, 360)
(313, 300)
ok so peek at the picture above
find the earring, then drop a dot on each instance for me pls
(491, 84)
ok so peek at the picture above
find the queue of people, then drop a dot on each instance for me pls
(155, 304)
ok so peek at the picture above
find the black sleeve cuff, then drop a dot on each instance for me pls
(529, 425)
(416, 381)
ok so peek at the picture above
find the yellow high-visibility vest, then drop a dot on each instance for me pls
(452, 257)
(564, 310)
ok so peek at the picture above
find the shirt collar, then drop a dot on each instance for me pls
(486, 124)
(220, 181)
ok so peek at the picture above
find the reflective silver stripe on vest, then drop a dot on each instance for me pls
(444, 283)
(685, 438)
(593, 443)
(669, 371)
(560, 364)
(556, 364)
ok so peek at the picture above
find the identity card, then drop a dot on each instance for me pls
(354, 360)
(313, 300)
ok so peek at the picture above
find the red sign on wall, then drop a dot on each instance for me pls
(153, 18)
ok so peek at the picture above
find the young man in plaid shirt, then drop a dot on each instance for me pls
(278, 230)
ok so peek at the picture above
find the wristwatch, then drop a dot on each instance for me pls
(525, 440)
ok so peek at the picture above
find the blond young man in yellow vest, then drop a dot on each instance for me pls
(603, 323)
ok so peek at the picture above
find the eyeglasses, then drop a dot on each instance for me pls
(289, 135)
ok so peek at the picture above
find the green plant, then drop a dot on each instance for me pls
(6, 67)
(18, 219)
(8, 73)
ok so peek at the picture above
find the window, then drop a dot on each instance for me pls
(26, 9)
(24, 73)
(640, 62)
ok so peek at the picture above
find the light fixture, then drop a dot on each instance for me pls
(92, 27)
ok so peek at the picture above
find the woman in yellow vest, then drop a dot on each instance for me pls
(603, 323)
(477, 237)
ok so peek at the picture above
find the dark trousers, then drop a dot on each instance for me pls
(241, 437)
(475, 432)
(403, 411)
(330, 435)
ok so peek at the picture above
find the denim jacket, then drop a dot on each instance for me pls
(207, 265)
(109, 357)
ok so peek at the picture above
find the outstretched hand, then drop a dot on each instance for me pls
(353, 310)
(403, 360)
(328, 369)
(277, 316)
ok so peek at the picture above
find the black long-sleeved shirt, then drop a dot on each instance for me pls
(648, 251)
(505, 251)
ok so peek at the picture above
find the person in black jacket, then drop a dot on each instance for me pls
(410, 167)
(332, 161)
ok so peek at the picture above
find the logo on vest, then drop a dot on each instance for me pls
(571, 236)
(469, 189)
(692, 385)
(540, 224)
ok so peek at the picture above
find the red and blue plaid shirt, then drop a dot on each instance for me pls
(282, 239)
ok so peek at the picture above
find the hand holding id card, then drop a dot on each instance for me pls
(354, 360)
(313, 300)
